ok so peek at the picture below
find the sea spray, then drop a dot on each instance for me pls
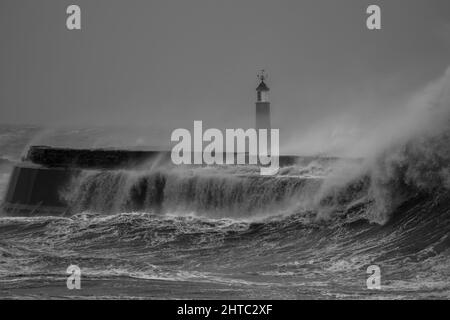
(413, 159)
(224, 192)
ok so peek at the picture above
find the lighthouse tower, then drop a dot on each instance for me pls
(262, 103)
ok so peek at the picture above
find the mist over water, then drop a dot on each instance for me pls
(364, 132)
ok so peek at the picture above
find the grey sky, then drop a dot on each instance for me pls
(165, 63)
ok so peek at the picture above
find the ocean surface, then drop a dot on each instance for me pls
(165, 232)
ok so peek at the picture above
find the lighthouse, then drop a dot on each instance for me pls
(262, 103)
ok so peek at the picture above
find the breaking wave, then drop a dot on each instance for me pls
(203, 191)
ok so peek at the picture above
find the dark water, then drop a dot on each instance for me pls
(310, 232)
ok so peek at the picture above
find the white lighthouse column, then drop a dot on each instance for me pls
(263, 108)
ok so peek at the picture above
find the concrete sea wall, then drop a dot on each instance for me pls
(36, 190)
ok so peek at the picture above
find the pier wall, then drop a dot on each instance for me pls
(36, 184)
(34, 189)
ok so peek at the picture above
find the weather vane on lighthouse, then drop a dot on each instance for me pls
(262, 75)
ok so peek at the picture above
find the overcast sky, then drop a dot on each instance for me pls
(165, 63)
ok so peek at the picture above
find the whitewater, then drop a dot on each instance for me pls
(221, 232)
